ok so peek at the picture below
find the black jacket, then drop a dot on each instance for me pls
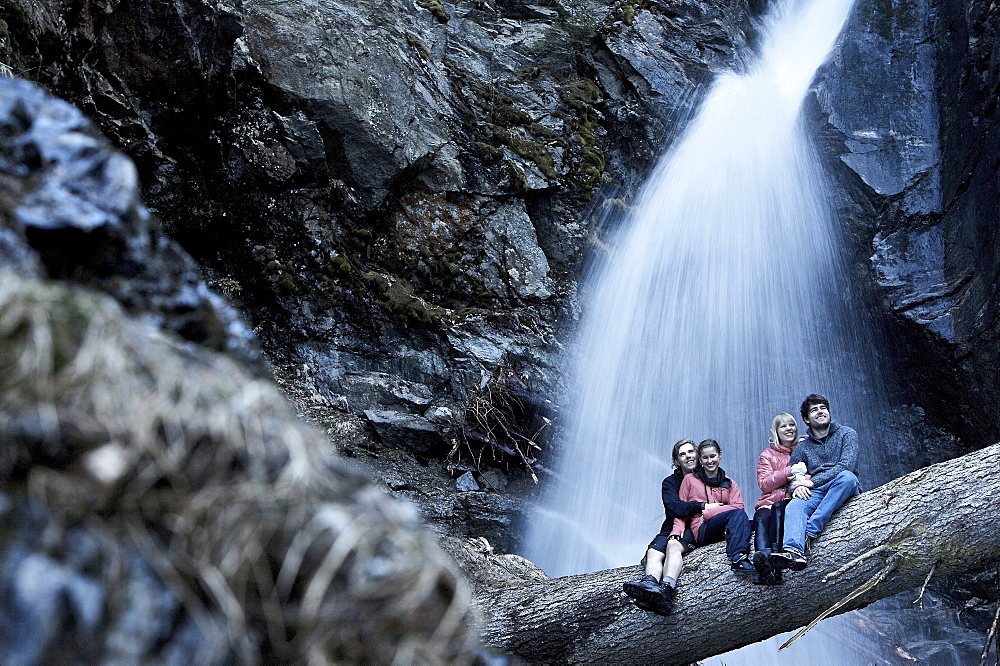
(673, 507)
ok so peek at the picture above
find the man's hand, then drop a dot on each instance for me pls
(802, 492)
(802, 483)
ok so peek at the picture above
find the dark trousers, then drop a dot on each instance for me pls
(769, 527)
(732, 525)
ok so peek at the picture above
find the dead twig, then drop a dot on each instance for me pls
(872, 582)
(993, 631)
(850, 565)
(493, 420)
(924, 588)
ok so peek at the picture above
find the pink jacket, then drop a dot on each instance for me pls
(773, 470)
(694, 489)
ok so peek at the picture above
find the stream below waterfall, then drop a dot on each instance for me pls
(724, 300)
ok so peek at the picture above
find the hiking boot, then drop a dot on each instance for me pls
(789, 559)
(741, 564)
(765, 572)
(646, 592)
(666, 606)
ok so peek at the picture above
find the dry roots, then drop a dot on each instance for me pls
(207, 472)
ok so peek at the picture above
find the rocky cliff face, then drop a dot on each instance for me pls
(908, 112)
(397, 193)
(401, 195)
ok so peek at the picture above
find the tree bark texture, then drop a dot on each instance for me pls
(943, 516)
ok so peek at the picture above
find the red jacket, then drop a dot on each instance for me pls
(773, 470)
(693, 489)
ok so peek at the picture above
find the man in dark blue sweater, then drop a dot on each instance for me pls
(830, 452)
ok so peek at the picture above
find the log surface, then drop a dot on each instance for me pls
(943, 515)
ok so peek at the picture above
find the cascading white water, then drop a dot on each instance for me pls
(722, 303)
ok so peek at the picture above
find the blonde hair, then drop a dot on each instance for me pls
(776, 423)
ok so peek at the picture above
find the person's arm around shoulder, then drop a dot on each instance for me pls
(673, 505)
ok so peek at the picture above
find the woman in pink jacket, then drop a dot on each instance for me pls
(723, 515)
(773, 475)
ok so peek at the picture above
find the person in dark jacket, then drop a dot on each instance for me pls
(655, 591)
(830, 453)
(724, 516)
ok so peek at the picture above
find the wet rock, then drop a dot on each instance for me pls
(410, 430)
(879, 91)
(364, 178)
(913, 442)
(495, 480)
(907, 106)
(56, 599)
(73, 212)
(466, 483)
(912, 266)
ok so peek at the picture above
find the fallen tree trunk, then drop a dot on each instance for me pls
(941, 517)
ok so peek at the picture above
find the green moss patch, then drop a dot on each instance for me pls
(435, 8)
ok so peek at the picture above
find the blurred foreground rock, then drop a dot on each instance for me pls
(160, 503)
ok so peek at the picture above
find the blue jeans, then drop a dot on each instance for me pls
(808, 517)
(734, 526)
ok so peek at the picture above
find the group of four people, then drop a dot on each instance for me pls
(802, 482)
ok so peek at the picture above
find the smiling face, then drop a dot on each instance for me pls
(687, 457)
(818, 416)
(788, 431)
(710, 457)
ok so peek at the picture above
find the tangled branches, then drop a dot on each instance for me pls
(497, 419)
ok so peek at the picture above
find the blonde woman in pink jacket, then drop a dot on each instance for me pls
(774, 472)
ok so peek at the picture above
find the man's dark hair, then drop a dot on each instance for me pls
(707, 443)
(812, 399)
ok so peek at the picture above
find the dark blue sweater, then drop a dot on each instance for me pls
(825, 459)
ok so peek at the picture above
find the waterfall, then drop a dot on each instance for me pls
(723, 301)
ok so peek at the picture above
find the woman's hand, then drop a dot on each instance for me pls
(713, 505)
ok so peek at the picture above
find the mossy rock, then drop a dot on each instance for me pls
(435, 8)
(419, 46)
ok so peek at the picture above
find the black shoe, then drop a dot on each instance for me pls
(788, 559)
(644, 606)
(741, 564)
(666, 606)
(780, 559)
(766, 573)
(646, 592)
